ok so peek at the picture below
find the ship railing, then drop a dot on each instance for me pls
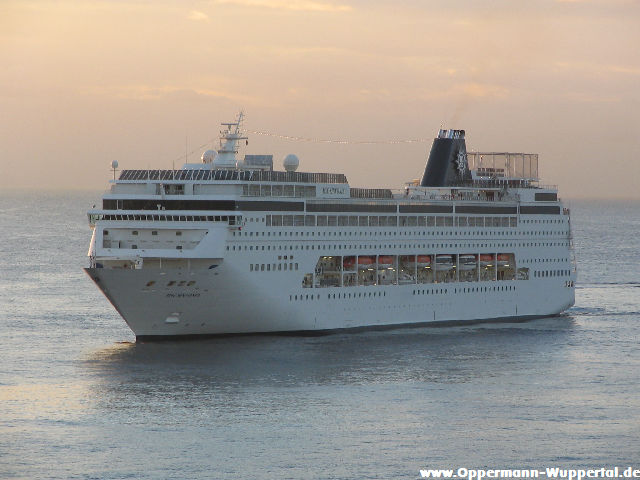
(287, 190)
(505, 164)
(449, 195)
(370, 193)
(230, 175)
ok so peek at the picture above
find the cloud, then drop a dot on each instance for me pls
(198, 16)
(590, 97)
(590, 67)
(153, 93)
(465, 92)
(624, 69)
(292, 5)
(482, 90)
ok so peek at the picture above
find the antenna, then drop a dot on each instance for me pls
(114, 167)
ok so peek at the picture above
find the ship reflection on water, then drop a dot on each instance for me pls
(423, 356)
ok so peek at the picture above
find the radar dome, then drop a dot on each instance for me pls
(208, 156)
(114, 164)
(291, 163)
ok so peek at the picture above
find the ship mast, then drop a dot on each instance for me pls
(229, 139)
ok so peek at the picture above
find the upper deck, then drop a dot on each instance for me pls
(452, 175)
(272, 183)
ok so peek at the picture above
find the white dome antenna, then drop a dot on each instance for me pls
(209, 156)
(291, 163)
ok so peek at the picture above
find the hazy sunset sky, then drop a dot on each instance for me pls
(83, 83)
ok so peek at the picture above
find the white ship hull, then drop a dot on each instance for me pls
(218, 248)
(231, 300)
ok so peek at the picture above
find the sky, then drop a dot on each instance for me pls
(147, 83)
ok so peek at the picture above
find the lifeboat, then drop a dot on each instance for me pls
(349, 263)
(444, 262)
(365, 262)
(467, 262)
(385, 261)
(407, 260)
(424, 261)
(486, 259)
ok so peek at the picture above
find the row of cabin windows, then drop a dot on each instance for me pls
(551, 273)
(268, 267)
(393, 233)
(336, 220)
(231, 220)
(545, 260)
(387, 221)
(304, 297)
(245, 248)
(135, 247)
(543, 221)
(153, 232)
(135, 232)
(333, 296)
(436, 291)
(308, 220)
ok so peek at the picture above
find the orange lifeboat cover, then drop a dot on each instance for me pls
(349, 262)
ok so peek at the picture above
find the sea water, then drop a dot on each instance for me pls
(80, 399)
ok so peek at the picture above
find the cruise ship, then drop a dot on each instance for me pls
(234, 246)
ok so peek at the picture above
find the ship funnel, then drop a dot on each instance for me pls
(447, 164)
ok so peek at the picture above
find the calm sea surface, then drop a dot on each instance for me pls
(79, 399)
